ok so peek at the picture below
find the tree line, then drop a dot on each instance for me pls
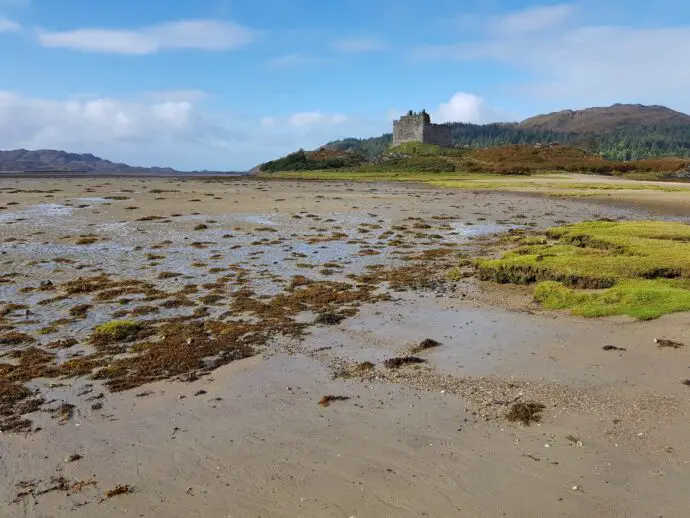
(628, 143)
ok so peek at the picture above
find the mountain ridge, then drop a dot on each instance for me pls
(601, 119)
(59, 161)
(53, 160)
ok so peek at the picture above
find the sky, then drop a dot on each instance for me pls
(228, 84)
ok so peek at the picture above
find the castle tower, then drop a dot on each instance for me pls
(417, 127)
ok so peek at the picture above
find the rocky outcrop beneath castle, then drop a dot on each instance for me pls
(682, 173)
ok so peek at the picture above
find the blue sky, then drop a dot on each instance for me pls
(227, 84)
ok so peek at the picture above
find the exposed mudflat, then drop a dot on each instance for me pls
(259, 299)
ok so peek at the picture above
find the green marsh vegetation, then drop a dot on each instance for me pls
(602, 268)
(546, 170)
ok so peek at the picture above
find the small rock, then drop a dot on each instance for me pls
(72, 458)
(200, 392)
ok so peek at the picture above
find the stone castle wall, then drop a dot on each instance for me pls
(417, 127)
(409, 128)
(438, 134)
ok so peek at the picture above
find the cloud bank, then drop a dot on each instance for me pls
(7, 25)
(209, 35)
(164, 129)
(533, 19)
(578, 63)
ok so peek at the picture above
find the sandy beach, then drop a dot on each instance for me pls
(261, 298)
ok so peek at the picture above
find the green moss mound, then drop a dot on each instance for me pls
(639, 268)
(643, 300)
(115, 331)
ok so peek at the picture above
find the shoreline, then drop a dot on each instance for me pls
(250, 437)
(94, 175)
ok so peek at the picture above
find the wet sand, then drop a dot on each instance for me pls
(249, 439)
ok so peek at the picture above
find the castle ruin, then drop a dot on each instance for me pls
(417, 127)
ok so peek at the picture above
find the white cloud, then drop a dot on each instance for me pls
(143, 133)
(208, 35)
(41, 120)
(360, 45)
(313, 118)
(310, 130)
(177, 133)
(465, 107)
(588, 65)
(8, 25)
(534, 18)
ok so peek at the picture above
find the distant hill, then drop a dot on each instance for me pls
(619, 132)
(608, 119)
(55, 161)
(50, 160)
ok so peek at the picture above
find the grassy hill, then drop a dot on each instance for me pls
(324, 158)
(415, 158)
(619, 132)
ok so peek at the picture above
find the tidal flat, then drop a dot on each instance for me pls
(250, 347)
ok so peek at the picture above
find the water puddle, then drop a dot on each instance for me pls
(303, 246)
(95, 199)
(465, 232)
(43, 210)
(259, 219)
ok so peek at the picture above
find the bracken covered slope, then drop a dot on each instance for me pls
(607, 119)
